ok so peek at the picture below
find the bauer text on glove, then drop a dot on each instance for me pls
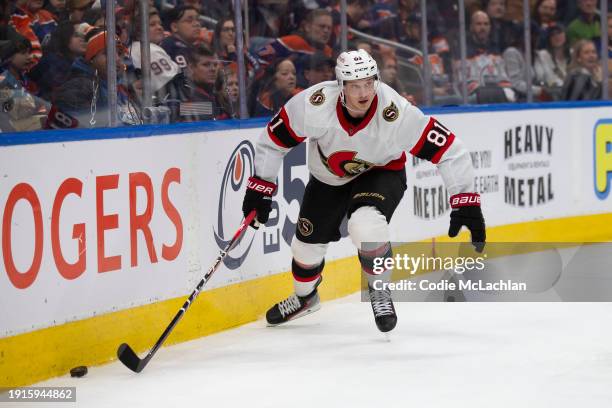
(466, 211)
(258, 197)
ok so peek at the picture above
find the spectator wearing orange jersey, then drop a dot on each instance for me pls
(34, 23)
(315, 36)
(439, 56)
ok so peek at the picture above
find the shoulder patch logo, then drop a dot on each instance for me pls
(317, 98)
(390, 113)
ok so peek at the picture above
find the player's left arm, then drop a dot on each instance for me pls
(431, 140)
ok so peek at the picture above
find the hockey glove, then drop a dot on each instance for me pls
(466, 211)
(258, 197)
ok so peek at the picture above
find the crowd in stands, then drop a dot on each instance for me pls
(53, 55)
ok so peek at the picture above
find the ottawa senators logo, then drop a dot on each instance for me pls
(317, 98)
(305, 226)
(344, 163)
(390, 113)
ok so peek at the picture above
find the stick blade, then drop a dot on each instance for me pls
(127, 356)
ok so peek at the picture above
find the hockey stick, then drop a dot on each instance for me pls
(125, 353)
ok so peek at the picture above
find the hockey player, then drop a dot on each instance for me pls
(358, 131)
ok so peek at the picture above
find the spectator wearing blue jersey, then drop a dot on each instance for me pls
(184, 23)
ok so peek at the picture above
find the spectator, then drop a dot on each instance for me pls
(34, 23)
(404, 10)
(228, 94)
(545, 13)
(66, 44)
(224, 45)
(479, 37)
(486, 75)
(319, 68)
(516, 67)
(544, 16)
(356, 11)
(297, 47)
(389, 75)
(84, 97)
(42, 21)
(195, 89)
(586, 26)
(58, 9)
(15, 87)
(224, 39)
(279, 88)
(551, 63)
(585, 76)
(77, 9)
(440, 63)
(16, 56)
(184, 22)
(502, 32)
(163, 68)
(439, 49)
(514, 10)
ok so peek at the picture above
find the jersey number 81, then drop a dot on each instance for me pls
(434, 141)
(437, 138)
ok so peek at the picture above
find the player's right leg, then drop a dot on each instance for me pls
(306, 268)
(317, 226)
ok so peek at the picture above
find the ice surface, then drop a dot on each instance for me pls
(440, 355)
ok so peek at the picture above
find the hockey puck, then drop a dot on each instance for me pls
(79, 371)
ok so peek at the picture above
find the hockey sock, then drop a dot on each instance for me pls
(305, 277)
(367, 255)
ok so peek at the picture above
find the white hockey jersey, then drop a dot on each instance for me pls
(163, 69)
(339, 151)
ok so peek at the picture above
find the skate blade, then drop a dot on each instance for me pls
(304, 312)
